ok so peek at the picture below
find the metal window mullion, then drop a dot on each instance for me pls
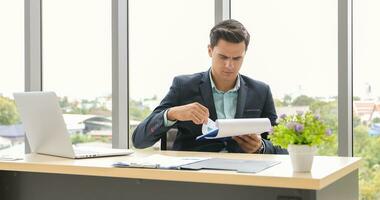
(222, 10)
(33, 48)
(345, 132)
(120, 123)
(33, 45)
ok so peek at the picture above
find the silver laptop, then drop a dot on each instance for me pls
(46, 130)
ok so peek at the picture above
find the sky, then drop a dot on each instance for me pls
(293, 45)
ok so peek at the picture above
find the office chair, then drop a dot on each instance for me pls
(167, 140)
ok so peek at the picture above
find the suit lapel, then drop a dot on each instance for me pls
(242, 97)
(206, 93)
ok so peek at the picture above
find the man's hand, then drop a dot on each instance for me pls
(191, 112)
(250, 143)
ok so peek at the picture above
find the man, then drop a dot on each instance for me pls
(219, 93)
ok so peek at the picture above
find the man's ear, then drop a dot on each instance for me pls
(209, 51)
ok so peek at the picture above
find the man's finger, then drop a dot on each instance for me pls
(255, 142)
(246, 141)
(203, 114)
(246, 146)
(200, 115)
(195, 119)
(203, 108)
(256, 137)
(246, 138)
(238, 140)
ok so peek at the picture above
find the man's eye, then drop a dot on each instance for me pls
(237, 59)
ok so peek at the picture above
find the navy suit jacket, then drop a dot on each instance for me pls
(254, 101)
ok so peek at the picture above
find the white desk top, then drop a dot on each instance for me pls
(326, 170)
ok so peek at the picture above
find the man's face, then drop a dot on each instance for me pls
(227, 59)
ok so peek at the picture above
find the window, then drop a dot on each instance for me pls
(77, 66)
(366, 91)
(167, 38)
(294, 49)
(12, 74)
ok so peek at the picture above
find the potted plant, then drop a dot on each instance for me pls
(300, 134)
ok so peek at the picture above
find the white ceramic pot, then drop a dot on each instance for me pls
(302, 157)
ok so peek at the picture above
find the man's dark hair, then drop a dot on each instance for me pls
(231, 31)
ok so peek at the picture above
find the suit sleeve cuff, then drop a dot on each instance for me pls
(168, 123)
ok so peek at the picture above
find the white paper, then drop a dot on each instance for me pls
(162, 161)
(10, 158)
(210, 126)
(235, 127)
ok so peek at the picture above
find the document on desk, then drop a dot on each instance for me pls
(10, 158)
(239, 165)
(160, 162)
(233, 127)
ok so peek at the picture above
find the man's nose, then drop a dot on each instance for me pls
(229, 63)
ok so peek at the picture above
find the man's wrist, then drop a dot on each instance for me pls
(168, 122)
(170, 114)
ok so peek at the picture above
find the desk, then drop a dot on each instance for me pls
(46, 177)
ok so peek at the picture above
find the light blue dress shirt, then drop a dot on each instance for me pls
(225, 102)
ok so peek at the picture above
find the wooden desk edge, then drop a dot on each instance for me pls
(341, 173)
(216, 177)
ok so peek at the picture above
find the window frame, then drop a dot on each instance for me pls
(120, 66)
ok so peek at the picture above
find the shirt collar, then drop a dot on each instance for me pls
(234, 89)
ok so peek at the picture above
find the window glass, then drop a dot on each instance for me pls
(167, 38)
(294, 49)
(77, 66)
(366, 91)
(11, 74)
